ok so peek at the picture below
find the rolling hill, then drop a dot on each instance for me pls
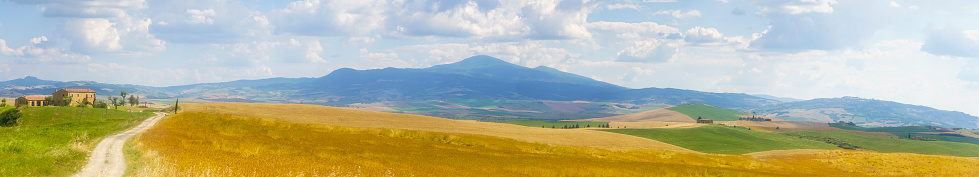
(869, 112)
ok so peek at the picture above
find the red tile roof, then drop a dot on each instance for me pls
(79, 90)
(34, 97)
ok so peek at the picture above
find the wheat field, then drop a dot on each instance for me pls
(332, 116)
(204, 141)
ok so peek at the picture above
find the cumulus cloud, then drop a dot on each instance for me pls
(633, 30)
(102, 26)
(563, 20)
(37, 52)
(648, 51)
(207, 21)
(329, 18)
(796, 6)
(703, 35)
(622, 6)
(679, 13)
(952, 41)
(476, 19)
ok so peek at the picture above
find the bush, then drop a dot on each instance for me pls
(9, 117)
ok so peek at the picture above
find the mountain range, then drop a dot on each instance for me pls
(487, 78)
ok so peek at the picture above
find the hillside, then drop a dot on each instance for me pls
(899, 145)
(698, 110)
(868, 112)
(724, 140)
(659, 115)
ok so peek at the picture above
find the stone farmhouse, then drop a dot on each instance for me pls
(31, 100)
(78, 96)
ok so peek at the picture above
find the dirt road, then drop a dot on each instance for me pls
(107, 158)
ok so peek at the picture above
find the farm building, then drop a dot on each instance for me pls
(78, 96)
(32, 100)
(705, 121)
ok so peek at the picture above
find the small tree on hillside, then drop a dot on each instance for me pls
(9, 117)
(122, 101)
(3, 103)
(133, 101)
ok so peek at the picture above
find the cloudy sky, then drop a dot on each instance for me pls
(917, 52)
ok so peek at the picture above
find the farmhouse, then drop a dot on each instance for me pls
(77, 96)
(705, 121)
(32, 100)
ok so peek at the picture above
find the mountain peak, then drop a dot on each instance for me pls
(31, 78)
(478, 61)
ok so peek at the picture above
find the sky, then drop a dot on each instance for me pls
(916, 52)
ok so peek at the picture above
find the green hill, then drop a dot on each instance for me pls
(899, 145)
(706, 111)
(724, 140)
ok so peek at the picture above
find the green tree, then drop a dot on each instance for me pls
(552, 126)
(3, 103)
(123, 94)
(49, 99)
(65, 101)
(133, 101)
(9, 117)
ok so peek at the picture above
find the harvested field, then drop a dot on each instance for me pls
(773, 124)
(766, 154)
(659, 115)
(880, 164)
(654, 125)
(332, 116)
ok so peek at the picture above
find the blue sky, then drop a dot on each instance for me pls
(918, 52)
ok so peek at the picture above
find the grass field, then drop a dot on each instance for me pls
(555, 124)
(884, 129)
(706, 111)
(332, 116)
(55, 141)
(900, 145)
(724, 140)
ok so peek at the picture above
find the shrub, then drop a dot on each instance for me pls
(9, 117)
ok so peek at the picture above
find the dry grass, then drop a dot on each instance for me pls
(658, 115)
(204, 144)
(332, 116)
(881, 164)
(200, 144)
(654, 125)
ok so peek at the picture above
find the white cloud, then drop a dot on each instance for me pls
(895, 4)
(648, 51)
(703, 35)
(557, 20)
(92, 34)
(329, 18)
(623, 6)
(36, 52)
(679, 13)
(633, 30)
(794, 7)
(200, 16)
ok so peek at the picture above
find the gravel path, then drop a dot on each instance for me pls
(107, 158)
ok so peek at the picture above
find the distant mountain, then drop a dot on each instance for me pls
(869, 112)
(782, 99)
(478, 77)
(33, 86)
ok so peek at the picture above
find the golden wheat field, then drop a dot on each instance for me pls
(201, 144)
(332, 116)
(198, 143)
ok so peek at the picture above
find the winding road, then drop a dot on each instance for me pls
(107, 159)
